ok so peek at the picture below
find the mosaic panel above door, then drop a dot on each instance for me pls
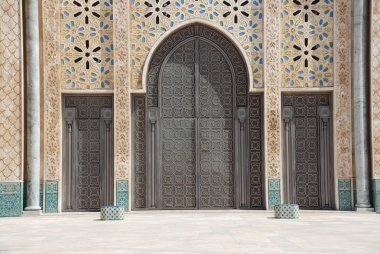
(152, 18)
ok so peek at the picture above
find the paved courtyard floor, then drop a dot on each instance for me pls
(193, 232)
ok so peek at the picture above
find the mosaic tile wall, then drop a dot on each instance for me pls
(274, 193)
(51, 197)
(122, 194)
(345, 194)
(11, 199)
(86, 43)
(307, 57)
(375, 87)
(151, 18)
(376, 194)
(10, 92)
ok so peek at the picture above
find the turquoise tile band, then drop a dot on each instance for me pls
(11, 197)
(345, 194)
(274, 193)
(122, 194)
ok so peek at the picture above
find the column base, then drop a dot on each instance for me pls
(32, 208)
(32, 213)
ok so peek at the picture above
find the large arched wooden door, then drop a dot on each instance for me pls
(196, 116)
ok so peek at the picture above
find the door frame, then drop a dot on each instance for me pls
(107, 180)
(289, 185)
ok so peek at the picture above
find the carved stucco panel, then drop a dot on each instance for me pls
(122, 87)
(272, 89)
(10, 92)
(375, 87)
(342, 90)
(52, 92)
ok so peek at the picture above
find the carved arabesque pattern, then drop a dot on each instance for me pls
(256, 150)
(342, 89)
(139, 140)
(307, 156)
(10, 92)
(216, 129)
(178, 84)
(375, 88)
(272, 90)
(52, 92)
(178, 163)
(88, 187)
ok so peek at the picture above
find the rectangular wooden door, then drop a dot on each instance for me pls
(88, 152)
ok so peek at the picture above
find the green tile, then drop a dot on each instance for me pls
(11, 197)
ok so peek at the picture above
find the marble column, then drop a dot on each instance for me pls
(361, 85)
(32, 79)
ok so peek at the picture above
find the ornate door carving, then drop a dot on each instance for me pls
(88, 152)
(307, 140)
(192, 128)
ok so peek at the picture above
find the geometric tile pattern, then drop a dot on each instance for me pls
(11, 199)
(307, 56)
(51, 197)
(375, 87)
(10, 92)
(345, 194)
(122, 194)
(376, 194)
(112, 213)
(286, 211)
(86, 43)
(274, 193)
(151, 18)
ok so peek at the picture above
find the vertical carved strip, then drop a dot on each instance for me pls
(153, 116)
(107, 181)
(139, 161)
(256, 151)
(289, 160)
(52, 105)
(244, 178)
(70, 118)
(324, 139)
(342, 93)
(272, 96)
(121, 89)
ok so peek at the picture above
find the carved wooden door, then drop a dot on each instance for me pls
(197, 134)
(307, 151)
(88, 162)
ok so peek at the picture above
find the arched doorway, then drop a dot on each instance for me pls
(197, 132)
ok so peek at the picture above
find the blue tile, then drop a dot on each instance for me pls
(51, 197)
(11, 197)
(345, 194)
(122, 194)
(274, 193)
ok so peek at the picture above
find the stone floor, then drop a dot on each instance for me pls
(193, 232)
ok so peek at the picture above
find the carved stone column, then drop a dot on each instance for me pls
(360, 103)
(33, 105)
